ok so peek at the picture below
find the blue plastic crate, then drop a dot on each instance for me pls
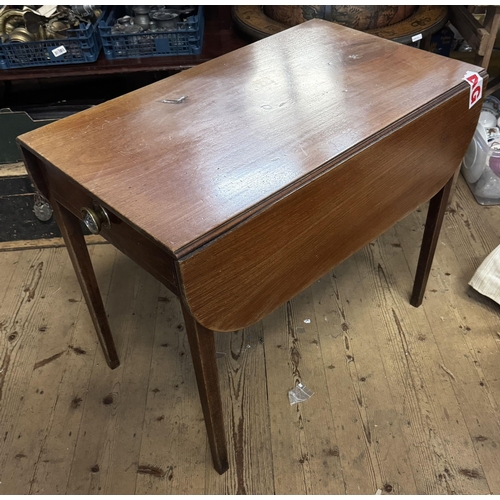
(187, 39)
(81, 46)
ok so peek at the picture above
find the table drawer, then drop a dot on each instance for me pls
(120, 234)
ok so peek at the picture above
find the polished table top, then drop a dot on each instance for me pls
(257, 124)
(285, 157)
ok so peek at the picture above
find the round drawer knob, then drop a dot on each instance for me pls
(95, 218)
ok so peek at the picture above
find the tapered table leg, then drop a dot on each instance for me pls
(435, 215)
(202, 345)
(77, 249)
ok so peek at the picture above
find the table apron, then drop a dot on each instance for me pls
(61, 189)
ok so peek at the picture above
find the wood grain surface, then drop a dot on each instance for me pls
(155, 259)
(239, 279)
(256, 124)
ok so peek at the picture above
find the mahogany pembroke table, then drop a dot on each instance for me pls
(263, 170)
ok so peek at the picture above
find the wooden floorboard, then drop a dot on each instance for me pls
(173, 454)
(54, 465)
(357, 375)
(10, 246)
(305, 450)
(244, 387)
(406, 401)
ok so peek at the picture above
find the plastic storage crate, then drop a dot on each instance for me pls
(187, 39)
(81, 46)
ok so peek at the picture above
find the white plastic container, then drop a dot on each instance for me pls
(481, 164)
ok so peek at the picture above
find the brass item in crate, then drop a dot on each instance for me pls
(57, 28)
(14, 17)
(21, 35)
(13, 23)
(28, 25)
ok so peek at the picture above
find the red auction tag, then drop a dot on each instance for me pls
(476, 87)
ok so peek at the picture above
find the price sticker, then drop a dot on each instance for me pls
(59, 51)
(476, 87)
(416, 38)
